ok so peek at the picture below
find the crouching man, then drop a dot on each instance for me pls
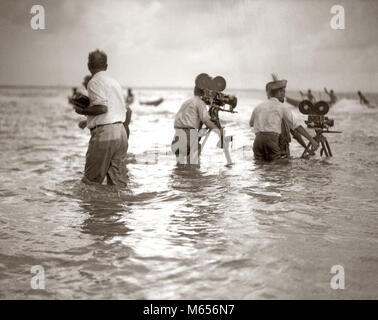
(267, 119)
(106, 155)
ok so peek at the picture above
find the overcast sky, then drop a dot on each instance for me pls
(167, 43)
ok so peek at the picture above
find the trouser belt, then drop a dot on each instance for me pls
(106, 124)
(268, 133)
(185, 128)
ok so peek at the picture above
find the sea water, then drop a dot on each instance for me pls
(249, 231)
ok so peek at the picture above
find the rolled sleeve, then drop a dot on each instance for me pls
(298, 121)
(291, 119)
(96, 93)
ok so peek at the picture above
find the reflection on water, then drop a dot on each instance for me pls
(105, 219)
(252, 230)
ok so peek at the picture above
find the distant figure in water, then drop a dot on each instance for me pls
(310, 96)
(130, 96)
(307, 95)
(129, 100)
(332, 96)
(363, 99)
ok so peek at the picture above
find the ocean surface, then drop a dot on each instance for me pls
(249, 231)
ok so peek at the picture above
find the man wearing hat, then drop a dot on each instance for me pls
(267, 120)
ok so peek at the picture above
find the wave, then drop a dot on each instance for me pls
(351, 106)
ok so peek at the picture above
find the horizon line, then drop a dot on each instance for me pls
(161, 88)
(123, 87)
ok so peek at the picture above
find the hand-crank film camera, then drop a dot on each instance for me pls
(318, 121)
(316, 114)
(79, 100)
(212, 92)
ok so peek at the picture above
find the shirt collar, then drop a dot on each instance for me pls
(99, 73)
(274, 99)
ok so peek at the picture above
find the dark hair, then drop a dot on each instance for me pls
(198, 92)
(97, 59)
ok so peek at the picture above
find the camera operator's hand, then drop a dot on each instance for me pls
(82, 124)
(314, 145)
(79, 110)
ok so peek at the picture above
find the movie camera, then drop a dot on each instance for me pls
(211, 94)
(319, 122)
(316, 114)
(78, 99)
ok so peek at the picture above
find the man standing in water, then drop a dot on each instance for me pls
(106, 113)
(332, 96)
(363, 100)
(188, 120)
(267, 120)
(307, 95)
(129, 100)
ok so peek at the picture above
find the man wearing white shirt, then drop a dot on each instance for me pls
(267, 120)
(106, 113)
(188, 121)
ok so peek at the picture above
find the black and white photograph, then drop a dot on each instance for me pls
(165, 150)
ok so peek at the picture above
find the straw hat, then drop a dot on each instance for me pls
(275, 84)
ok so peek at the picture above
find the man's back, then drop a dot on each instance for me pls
(104, 90)
(267, 117)
(191, 113)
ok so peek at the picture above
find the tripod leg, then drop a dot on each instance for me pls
(305, 150)
(328, 148)
(324, 149)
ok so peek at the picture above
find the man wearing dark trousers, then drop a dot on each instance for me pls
(267, 120)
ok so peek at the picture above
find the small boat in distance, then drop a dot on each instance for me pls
(152, 103)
